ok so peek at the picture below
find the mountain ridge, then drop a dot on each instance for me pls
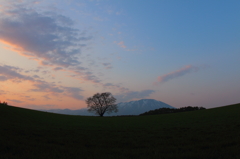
(124, 108)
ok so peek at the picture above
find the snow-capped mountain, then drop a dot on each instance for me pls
(140, 106)
(124, 108)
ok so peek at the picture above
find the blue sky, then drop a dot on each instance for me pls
(56, 54)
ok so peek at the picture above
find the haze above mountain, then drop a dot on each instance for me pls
(124, 108)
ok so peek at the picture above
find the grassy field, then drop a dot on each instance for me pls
(212, 134)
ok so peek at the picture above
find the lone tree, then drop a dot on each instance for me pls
(102, 103)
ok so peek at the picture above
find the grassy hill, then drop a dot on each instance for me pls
(212, 133)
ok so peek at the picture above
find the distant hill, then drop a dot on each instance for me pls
(82, 111)
(124, 108)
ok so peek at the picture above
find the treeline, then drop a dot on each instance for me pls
(172, 110)
(3, 103)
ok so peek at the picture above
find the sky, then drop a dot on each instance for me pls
(56, 54)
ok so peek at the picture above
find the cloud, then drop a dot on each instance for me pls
(52, 40)
(29, 98)
(36, 76)
(2, 92)
(57, 68)
(130, 95)
(46, 97)
(181, 72)
(15, 101)
(47, 36)
(115, 87)
(107, 65)
(74, 92)
(10, 73)
(122, 45)
(42, 86)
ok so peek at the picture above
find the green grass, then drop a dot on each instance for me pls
(212, 133)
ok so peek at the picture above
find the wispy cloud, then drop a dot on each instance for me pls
(85, 75)
(107, 65)
(42, 86)
(175, 74)
(122, 45)
(53, 40)
(115, 87)
(58, 68)
(2, 92)
(14, 74)
(29, 98)
(74, 92)
(11, 73)
(15, 101)
(49, 37)
(46, 37)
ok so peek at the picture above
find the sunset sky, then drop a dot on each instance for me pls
(55, 54)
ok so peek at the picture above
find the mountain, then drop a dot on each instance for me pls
(124, 108)
(140, 106)
(82, 111)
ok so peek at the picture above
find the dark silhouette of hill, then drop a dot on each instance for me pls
(210, 133)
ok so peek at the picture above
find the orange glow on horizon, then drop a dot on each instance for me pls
(17, 94)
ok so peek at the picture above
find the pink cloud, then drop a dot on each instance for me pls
(175, 74)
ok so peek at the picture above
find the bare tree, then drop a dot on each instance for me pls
(102, 103)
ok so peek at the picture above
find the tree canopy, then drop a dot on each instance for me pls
(172, 110)
(102, 103)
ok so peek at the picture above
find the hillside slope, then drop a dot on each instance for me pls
(212, 133)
